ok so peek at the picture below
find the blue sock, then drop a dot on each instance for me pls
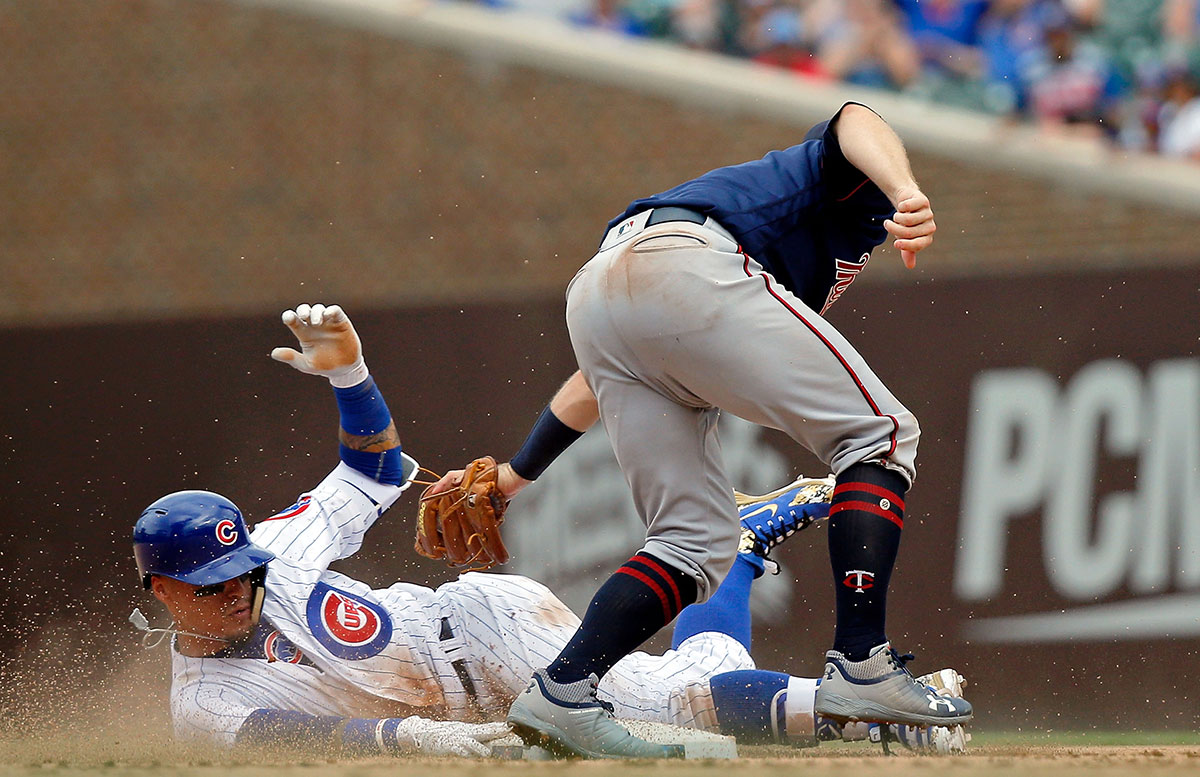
(750, 705)
(726, 611)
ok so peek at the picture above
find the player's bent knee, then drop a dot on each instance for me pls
(704, 567)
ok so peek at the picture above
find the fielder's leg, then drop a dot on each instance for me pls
(803, 377)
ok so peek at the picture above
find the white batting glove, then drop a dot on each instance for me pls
(448, 737)
(328, 342)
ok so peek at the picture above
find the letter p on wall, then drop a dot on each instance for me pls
(1005, 471)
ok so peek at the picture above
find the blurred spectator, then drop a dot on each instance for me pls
(1181, 30)
(699, 24)
(780, 33)
(1073, 86)
(1141, 110)
(1130, 31)
(1180, 117)
(946, 33)
(864, 42)
(612, 15)
(1012, 36)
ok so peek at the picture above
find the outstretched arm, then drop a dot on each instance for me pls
(873, 147)
(368, 736)
(330, 347)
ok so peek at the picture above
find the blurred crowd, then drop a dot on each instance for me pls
(1127, 71)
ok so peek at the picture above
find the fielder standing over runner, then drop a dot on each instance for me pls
(271, 646)
(706, 297)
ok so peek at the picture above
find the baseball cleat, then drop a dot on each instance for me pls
(770, 519)
(570, 721)
(931, 739)
(880, 689)
(946, 682)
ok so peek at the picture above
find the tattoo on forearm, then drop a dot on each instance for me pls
(371, 443)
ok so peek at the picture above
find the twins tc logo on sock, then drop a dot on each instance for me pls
(873, 500)
(859, 579)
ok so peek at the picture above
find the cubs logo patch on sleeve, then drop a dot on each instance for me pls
(277, 648)
(346, 625)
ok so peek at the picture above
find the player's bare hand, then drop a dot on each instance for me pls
(329, 345)
(912, 225)
(509, 482)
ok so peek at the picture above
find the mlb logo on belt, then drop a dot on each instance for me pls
(346, 625)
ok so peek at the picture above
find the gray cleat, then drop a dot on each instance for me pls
(881, 690)
(570, 721)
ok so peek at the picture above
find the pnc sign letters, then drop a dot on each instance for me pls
(1034, 446)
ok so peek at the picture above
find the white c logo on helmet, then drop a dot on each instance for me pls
(226, 532)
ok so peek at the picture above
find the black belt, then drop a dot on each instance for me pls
(460, 666)
(672, 213)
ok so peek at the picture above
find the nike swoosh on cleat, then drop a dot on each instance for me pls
(774, 508)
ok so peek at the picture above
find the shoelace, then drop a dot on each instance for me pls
(771, 534)
(607, 705)
(900, 661)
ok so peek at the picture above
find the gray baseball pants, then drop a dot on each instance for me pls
(672, 323)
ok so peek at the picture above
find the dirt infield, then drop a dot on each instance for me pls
(61, 757)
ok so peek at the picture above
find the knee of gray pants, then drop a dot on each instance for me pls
(899, 457)
(707, 569)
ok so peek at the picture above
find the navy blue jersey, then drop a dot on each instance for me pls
(805, 213)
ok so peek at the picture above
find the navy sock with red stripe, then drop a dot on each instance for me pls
(640, 598)
(866, 515)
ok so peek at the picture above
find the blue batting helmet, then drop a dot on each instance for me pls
(195, 536)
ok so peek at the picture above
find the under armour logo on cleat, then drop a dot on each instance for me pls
(934, 701)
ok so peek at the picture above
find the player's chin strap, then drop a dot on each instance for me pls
(150, 641)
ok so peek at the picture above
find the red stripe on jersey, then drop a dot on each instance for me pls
(845, 365)
(866, 507)
(653, 586)
(869, 488)
(292, 511)
(852, 191)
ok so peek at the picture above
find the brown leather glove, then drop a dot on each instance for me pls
(462, 524)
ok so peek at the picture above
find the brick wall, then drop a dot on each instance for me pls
(167, 158)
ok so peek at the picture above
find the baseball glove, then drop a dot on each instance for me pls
(462, 524)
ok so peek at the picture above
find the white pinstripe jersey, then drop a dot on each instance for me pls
(330, 645)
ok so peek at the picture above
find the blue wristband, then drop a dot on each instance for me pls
(386, 467)
(370, 736)
(289, 728)
(548, 438)
(362, 408)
